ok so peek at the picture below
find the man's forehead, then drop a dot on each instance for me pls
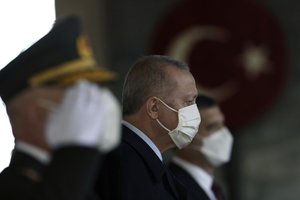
(183, 79)
(44, 92)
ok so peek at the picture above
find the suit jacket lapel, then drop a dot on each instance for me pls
(153, 163)
(192, 186)
(27, 166)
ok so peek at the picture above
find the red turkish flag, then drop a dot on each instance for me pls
(235, 49)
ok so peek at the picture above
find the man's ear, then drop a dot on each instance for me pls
(152, 107)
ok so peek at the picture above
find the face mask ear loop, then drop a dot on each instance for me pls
(162, 125)
(167, 105)
(168, 108)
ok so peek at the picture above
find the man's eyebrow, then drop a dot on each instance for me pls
(211, 125)
(188, 96)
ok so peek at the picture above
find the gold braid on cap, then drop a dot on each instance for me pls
(83, 67)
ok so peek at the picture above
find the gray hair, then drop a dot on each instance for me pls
(147, 77)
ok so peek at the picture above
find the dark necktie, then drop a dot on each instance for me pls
(217, 190)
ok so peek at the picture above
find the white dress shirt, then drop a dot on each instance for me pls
(204, 179)
(33, 151)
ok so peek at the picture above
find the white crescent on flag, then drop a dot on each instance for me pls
(183, 44)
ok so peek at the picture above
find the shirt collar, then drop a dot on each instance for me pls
(204, 179)
(33, 151)
(144, 137)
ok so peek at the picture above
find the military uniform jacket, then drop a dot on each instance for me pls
(69, 175)
(145, 177)
(195, 192)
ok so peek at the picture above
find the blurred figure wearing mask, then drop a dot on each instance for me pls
(62, 121)
(211, 148)
(159, 113)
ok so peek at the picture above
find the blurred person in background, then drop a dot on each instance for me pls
(195, 165)
(62, 121)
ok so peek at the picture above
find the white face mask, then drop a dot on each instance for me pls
(188, 123)
(217, 147)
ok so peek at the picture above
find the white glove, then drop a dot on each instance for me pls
(83, 118)
(111, 122)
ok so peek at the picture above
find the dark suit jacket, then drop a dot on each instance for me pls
(108, 185)
(195, 192)
(70, 175)
(145, 177)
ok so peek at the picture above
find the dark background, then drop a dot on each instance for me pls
(265, 163)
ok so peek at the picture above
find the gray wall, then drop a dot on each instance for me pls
(270, 165)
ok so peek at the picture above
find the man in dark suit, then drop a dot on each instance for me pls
(159, 112)
(60, 124)
(211, 147)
